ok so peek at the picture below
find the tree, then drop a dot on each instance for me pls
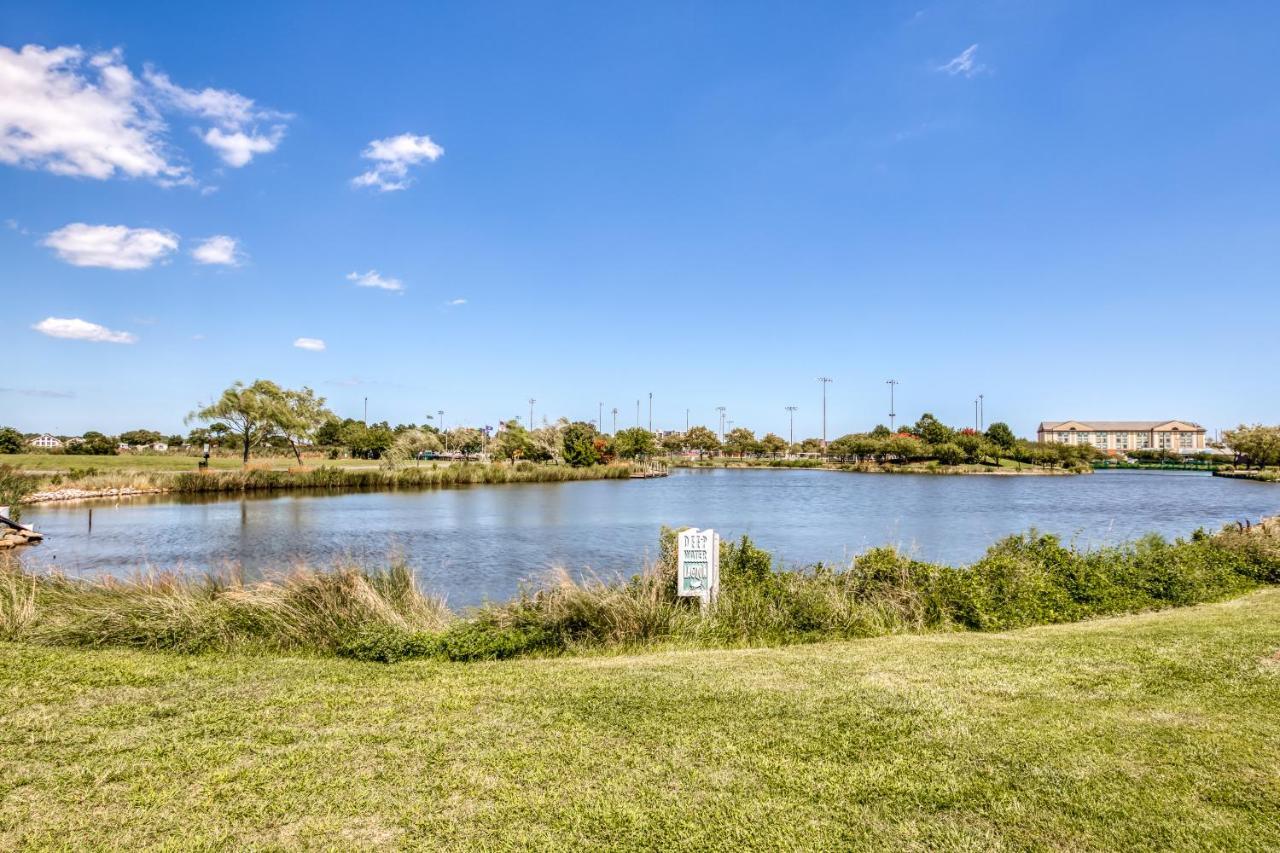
(1001, 436)
(881, 431)
(466, 440)
(948, 453)
(247, 412)
(140, 437)
(11, 440)
(299, 416)
(701, 439)
(1254, 445)
(96, 444)
(410, 444)
(634, 443)
(513, 442)
(579, 445)
(811, 445)
(932, 430)
(673, 442)
(774, 445)
(741, 441)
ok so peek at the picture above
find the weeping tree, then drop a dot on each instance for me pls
(299, 416)
(249, 413)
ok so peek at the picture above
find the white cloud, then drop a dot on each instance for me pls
(115, 247)
(964, 64)
(74, 113)
(392, 158)
(312, 344)
(456, 302)
(219, 249)
(231, 112)
(373, 279)
(81, 330)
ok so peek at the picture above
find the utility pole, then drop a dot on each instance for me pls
(982, 414)
(600, 417)
(720, 409)
(792, 411)
(366, 411)
(975, 415)
(825, 380)
(686, 421)
(444, 436)
(891, 383)
(650, 411)
(637, 414)
(615, 420)
(531, 402)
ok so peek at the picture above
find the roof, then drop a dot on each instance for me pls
(1121, 426)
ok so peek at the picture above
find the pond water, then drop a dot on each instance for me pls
(479, 542)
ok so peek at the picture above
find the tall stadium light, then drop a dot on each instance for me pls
(650, 411)
(637, 414)
(686, 421)
(600, 417)
(720, 409)
(615, 420)
(531, 402)
(976, 428)
(825, 380)
(892, 414)
(791, 410)
(982, 414)
(443, 435)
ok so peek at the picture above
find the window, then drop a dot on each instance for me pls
(1184, 440)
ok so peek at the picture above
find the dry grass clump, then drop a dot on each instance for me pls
(303, 611)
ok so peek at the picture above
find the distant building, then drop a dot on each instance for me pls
(46, 441)
(160, 446)
(1118, 437)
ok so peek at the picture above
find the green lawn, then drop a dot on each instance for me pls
(50, 462)
(1154, 731)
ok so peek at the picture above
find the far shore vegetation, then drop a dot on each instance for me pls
(380, 614)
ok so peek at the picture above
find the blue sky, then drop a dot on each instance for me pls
(1071, 208)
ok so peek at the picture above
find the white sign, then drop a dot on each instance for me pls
(698, 574)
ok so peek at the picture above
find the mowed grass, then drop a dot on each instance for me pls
(1142, 732)
(160, 462)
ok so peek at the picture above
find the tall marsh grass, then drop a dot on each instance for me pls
(1024, 580)
(325, 477)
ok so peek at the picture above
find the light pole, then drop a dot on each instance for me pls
(366, 411)
(982, 414)
(443, 435)
(531, 402)
(825, 380)
(791, 410)
(650, 411)
(720, 409)
(600, 417)
(975, 415)
(637, 414)
(615, 420)
(891, 383)
(686, 421)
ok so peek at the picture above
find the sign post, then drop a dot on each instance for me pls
(698, 573)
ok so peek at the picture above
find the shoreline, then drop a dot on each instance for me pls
(864, 468)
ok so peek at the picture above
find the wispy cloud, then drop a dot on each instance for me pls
(458, 301)
(219, 249)
(312, 344)
(392, 158)
(115, 247)
(373, 279)
(82, 330)
(43, 393)
(966, 64)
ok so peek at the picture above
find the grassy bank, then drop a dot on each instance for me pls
(1156, 731)
(1263, 475)
(64, 463)
(1004, 466)
(327, 477)
(382, 616)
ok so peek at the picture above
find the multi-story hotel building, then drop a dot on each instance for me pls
(1125, 436)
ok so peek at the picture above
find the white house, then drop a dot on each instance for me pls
(46, 441)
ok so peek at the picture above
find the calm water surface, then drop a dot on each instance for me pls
(478, 542)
